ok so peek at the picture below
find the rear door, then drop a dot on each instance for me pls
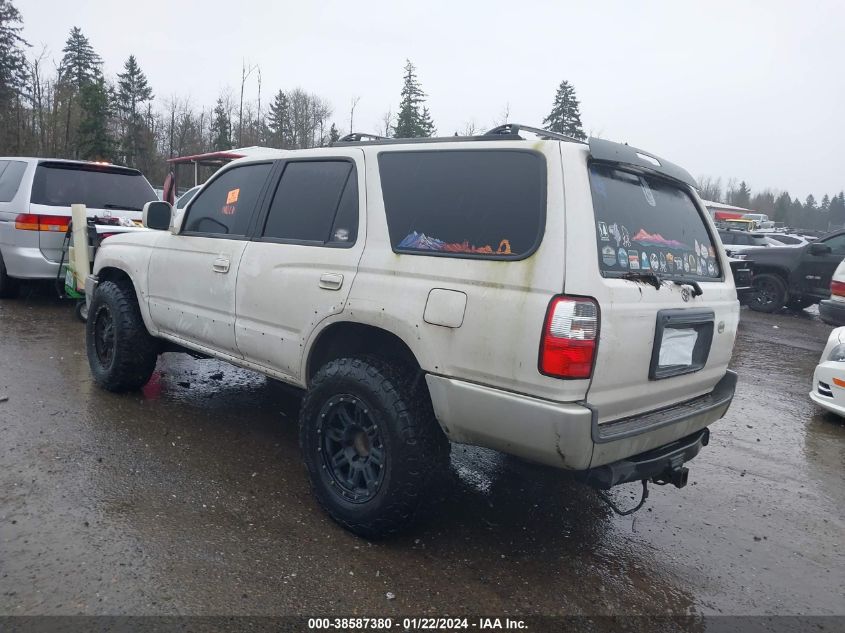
(300, 267)
(816, 271)
(192, 275)
(105, 190)
(659, 343)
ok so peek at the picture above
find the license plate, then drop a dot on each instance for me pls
(676, 348)
(682, 339)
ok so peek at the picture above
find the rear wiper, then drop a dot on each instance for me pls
(648, 276)
(696, 287)
(122, 207)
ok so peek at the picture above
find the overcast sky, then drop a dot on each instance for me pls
(745, 89)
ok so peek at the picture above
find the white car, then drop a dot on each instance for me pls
(35, 199)
(829, 377)
(832, 311)
(565, 302)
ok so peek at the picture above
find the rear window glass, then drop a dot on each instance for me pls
(96, 187)
(464, 203)
(645, 223)
(11, 172)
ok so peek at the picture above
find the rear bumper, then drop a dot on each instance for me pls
(658, 464)
(567, 435)
(28, 263)
(832, 312)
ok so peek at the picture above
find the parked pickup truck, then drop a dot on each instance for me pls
(565, 302)
(795, 277)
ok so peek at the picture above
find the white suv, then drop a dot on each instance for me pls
(561, 301)
(35, 199)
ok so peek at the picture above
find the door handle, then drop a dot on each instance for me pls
(331, 281)
(220, 265)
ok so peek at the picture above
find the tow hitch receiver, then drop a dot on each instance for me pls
(662, 466)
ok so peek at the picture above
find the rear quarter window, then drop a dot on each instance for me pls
(11, 173)
(464, 203)
(649, 224)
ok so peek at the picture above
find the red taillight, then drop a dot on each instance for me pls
(36, 222)
(569, 340)
(837, 288)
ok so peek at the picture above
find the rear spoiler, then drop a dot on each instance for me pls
(617, 153)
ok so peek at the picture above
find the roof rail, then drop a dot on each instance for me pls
(355, 137)
(506, 132)
(514, 129)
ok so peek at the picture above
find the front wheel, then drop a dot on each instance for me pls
(370, 443)
(121, 353)
(769, 293)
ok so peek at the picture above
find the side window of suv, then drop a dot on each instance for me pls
(316, 202)
(11, 173)
(227, 204)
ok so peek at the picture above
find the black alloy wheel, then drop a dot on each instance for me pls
(352, 447)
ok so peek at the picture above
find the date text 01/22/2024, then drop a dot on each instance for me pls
(422, 624)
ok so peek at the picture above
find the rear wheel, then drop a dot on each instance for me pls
(769, 293)
(370, 443)
(8, 286)
(121, 353)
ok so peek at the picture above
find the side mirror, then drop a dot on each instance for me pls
(816, 248)
(157, 215)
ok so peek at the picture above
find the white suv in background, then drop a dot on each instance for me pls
(35, 199)
(565, 302)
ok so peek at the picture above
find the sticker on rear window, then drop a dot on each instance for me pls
(649, 196)
(603, 232)
(634, 260)
(232, 196)
(645, 264)
(623, 257)
(654, 261)
(608, 255)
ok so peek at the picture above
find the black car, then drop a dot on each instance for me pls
(795, 277)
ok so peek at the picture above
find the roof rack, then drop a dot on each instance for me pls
(513, 129)
(355, 137)
(506, 132)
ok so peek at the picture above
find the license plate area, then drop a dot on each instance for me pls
(682, 340)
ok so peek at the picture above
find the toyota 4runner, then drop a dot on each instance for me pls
(565, 302)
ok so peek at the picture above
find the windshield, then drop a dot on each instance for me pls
(648, 224)
(95, 186)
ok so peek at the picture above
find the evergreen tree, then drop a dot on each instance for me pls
(825, 204)
(80, 64)
(13, 69)
(565, 117)
(278, 121)
(782, 206)
(334, 135)
(133, 93)
(742, 196)
(95, 140)
(837, 209)
(13, 75)
(810, 203)
(221, 128)
(414, 119)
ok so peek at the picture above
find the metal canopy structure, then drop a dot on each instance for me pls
(208, 159)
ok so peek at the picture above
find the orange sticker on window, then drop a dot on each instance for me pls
(232, 198)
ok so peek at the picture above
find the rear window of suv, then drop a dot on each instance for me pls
(95, 186)
(648, 224)
(464, 203)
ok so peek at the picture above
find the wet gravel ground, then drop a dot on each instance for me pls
(190, 498)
